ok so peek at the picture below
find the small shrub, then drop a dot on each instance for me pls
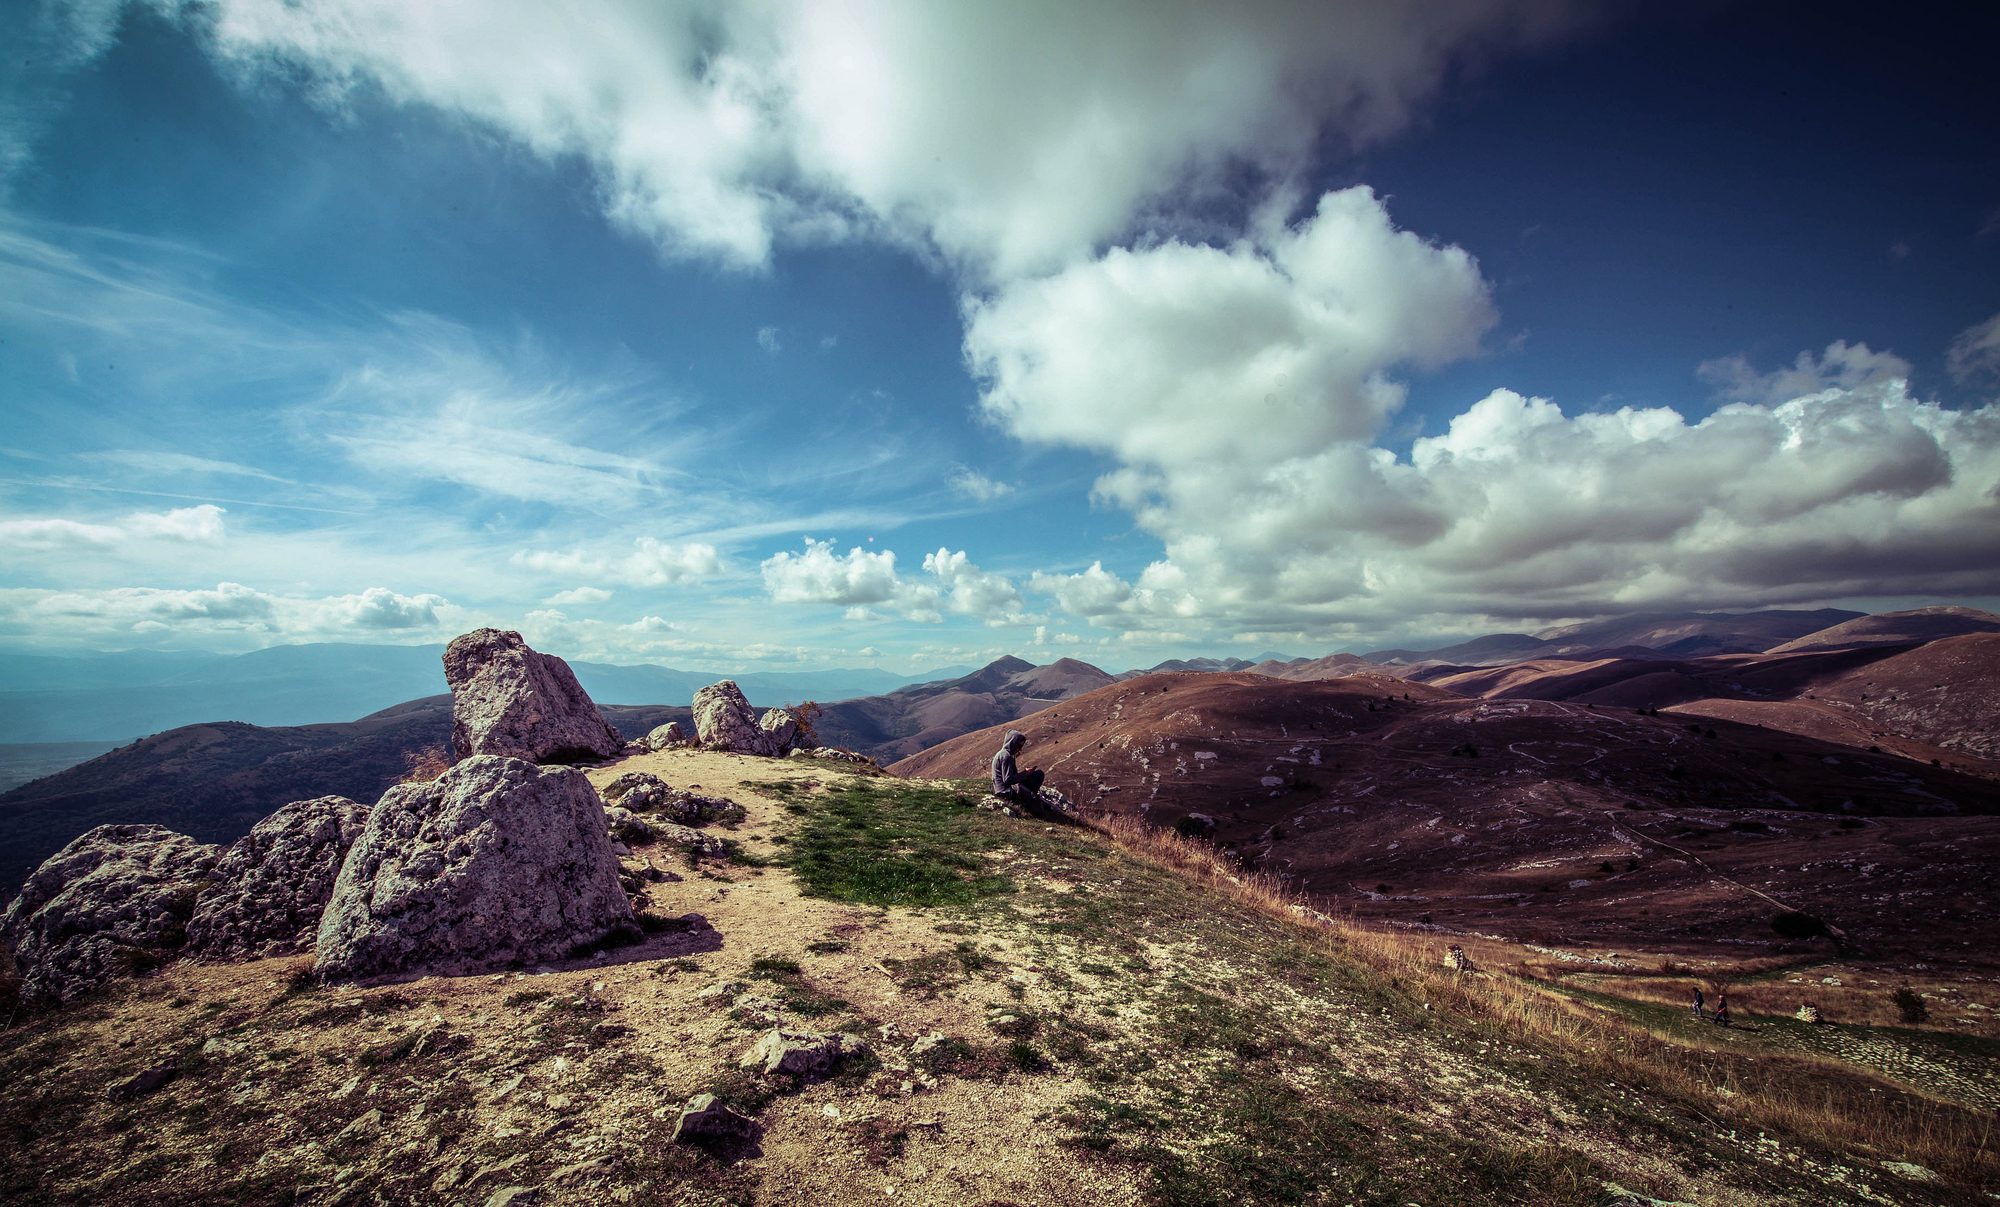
(423, 766)
(1910, 1005)
(1025, 1057)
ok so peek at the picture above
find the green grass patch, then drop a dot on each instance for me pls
(896, 845)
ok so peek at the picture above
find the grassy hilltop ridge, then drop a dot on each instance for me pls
(1053, 1015)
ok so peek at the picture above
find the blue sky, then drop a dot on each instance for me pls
(781, 335)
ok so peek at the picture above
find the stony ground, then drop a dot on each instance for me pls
(1050, 1020)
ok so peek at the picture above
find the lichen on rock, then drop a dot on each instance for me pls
(507, 699)
(496, 862)
(115, 900)
(724, 720)
(272, 886)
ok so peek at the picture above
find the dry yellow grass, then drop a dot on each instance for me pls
(423, 766)
(1820, 1100)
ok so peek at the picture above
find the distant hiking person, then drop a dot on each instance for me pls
(1697, 1001)
(1722, 1007)
(1009, 781)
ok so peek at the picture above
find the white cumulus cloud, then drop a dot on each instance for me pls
(1010, 137)
(653, 563)
(1177, 354)
(861, 580)
(229, 608)
(1240, 393)
(577, 595)
(821, 576)
(200, 525)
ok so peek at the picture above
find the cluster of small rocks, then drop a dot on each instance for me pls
(644, 792)
(832, 754)
(1047, 805)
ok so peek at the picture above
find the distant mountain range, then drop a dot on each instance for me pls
(216, 780)
(117, 697)
(1922, 685)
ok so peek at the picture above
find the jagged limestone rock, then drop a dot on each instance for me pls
(832, 754)
(637, 791)
(506, 699)
(724, 720)
(694, 842)
(115, 900)
(496, 861)
(273, 884)
(781, 731)
(666, 737)
(801, 1053)
(627, 826)
(706, 1118)
(644, 792)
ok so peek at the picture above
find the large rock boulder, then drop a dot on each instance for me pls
(273, 885)
(506, 699)
(724, 720)
(495, 862)
(666, 737)
(117, 900)
(781, 731)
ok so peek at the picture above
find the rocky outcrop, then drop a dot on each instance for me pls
(724, 720)
(667, 737)
(116, 900)
(273, 884)
(832, 754)
(801, 1053)
(497, 861)
(706, 1118)
(508, 700)
(626, 826)
(644, 792)
(781, 731)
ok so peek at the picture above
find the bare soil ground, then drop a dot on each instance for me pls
(1108, 1030)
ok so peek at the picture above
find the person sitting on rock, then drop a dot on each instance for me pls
(1009, 781)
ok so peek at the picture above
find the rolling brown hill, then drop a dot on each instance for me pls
(1938, 699)
(1530, 817)
(911, 719)
(1896, 628)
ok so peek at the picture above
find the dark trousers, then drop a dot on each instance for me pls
(1029, 783)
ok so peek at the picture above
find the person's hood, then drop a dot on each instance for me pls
(1014, 741)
